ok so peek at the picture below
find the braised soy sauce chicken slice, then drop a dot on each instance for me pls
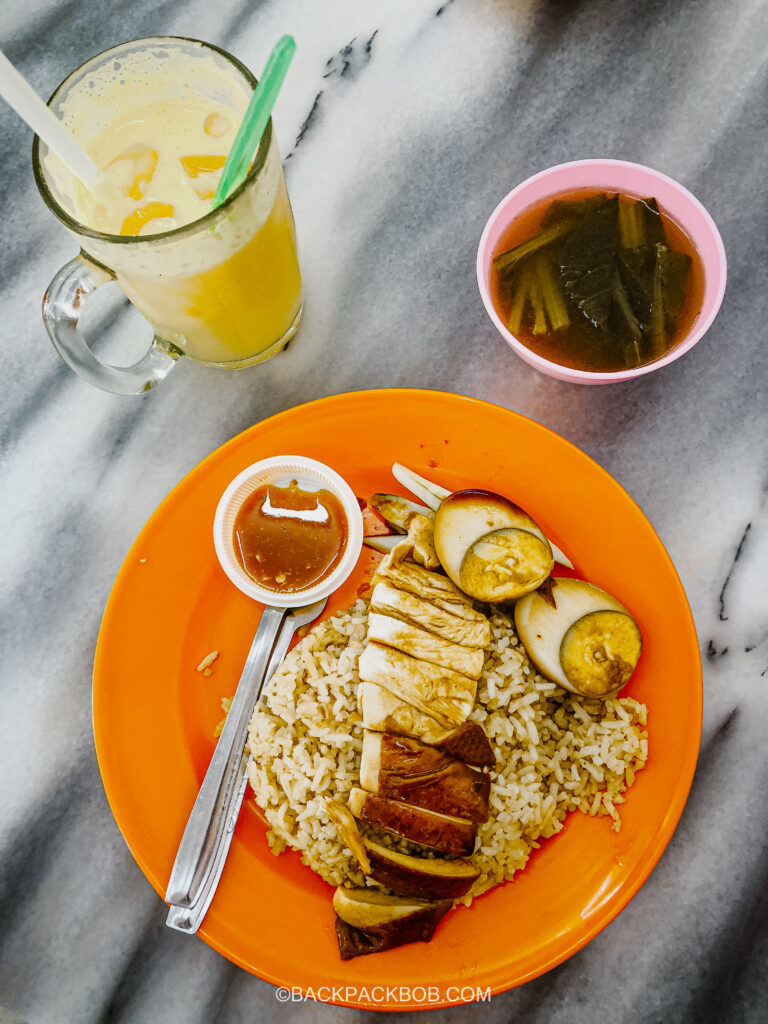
(418, 682)
(443, 833)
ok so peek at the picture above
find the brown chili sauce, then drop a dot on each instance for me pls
(288, 539)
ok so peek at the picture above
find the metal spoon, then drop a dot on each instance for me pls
(204, 846)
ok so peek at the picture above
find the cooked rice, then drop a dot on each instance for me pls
(554, 752)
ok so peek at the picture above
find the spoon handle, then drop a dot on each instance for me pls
(206, 827)
(189, 919)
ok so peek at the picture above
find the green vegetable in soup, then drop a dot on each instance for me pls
(507, 260)
(518, 302)
(628, 327)
(669, 283)
(640, 223)
(537, 302)
(600, 274)
(588, 262)
(637, 268)
(552, 294)
(571, 210)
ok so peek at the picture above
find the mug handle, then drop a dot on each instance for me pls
(61, 313)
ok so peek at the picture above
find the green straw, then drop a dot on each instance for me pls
(255, 120)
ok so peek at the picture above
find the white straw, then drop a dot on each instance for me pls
(17, 91)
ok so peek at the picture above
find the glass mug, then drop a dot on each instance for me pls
(224, 290)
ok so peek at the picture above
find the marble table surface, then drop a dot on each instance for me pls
(402, 124)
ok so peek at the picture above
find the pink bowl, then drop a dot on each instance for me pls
(612, 176)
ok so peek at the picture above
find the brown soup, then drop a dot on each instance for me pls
(288, 539)
(597, 281)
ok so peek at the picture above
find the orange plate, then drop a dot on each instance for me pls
(154, 714)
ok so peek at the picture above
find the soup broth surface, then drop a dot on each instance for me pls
(597, 281)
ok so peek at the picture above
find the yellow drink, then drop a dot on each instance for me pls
(235, 310)
(221, 287)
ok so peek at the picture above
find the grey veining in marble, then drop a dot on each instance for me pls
(402, 124)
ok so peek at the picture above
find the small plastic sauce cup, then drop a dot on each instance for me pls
(280, 470)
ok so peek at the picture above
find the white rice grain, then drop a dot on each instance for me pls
(555, 752)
